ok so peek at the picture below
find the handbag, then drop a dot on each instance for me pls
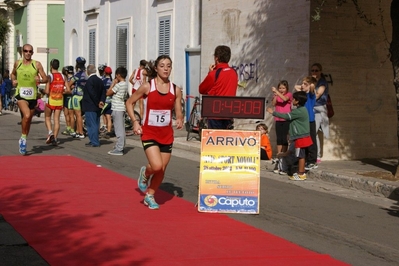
(330, 109)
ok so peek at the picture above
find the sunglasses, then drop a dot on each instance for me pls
(314, 70)
(28, 51)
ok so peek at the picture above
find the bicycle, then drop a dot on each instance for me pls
(183, 108)
(129, 123)
(195, 123)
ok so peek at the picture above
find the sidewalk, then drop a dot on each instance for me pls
(371, 175)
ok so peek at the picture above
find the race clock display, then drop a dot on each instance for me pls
(233, 107)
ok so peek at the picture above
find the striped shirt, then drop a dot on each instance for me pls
(118, 99)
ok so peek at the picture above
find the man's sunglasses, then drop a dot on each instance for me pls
(28, 51)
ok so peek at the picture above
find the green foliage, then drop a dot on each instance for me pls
(360, 12)
(4, 30)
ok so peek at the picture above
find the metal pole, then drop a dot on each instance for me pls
(48, 64)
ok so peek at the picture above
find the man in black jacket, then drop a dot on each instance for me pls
(92, 103)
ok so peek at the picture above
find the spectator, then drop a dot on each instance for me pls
(308, 86)
(6, 87)
(221, 81)
(92, 103)
(265, 147)
(107, 110)
(282, 102)
(118, 91)
(299, 131)
(41, 105)
(320, 108)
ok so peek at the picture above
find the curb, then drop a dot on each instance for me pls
(387, 189)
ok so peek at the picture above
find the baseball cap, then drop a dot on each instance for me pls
(70, 69)
(81, 60)
(101, 67)
(108, 70)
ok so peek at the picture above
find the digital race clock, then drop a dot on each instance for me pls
(233, 107)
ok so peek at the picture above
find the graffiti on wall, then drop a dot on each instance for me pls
(247, 71)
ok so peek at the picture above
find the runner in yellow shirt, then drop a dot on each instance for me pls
(25, 76)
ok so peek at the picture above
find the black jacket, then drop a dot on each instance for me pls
(93, 94)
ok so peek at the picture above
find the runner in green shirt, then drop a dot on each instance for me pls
(26, 75)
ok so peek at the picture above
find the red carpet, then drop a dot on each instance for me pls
(75, 213)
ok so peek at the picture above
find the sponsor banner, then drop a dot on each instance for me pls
(229, 171)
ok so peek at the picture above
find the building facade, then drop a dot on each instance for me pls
(270, 45)
(121, 33)
(37, 22)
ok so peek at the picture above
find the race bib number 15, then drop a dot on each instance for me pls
(159, 118)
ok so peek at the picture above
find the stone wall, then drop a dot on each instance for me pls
(357, 57)
(275, 40)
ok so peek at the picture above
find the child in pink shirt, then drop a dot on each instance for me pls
(282, 102)
(40, 106)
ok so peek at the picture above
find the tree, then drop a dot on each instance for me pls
(4, 30)
(393, 47)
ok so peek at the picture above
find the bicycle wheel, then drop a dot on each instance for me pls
(183, 106)
(190, 124)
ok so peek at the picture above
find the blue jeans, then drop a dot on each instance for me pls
(7, 100)
(93, 124)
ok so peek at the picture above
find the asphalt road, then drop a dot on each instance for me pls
(353, 226)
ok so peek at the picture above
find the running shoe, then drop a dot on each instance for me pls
(103, 129)
(298, 177)
(66, 132)
(276, 171)
(283, 173)
(22, 146)
(72, 134)
(311, 166)
(55, 142)
(150, 202)
(79, 136)
(142, 182)
(50, 139)
(115, 152)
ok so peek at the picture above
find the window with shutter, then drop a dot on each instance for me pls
(164, 36)
(121, 45)
(92, 47)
